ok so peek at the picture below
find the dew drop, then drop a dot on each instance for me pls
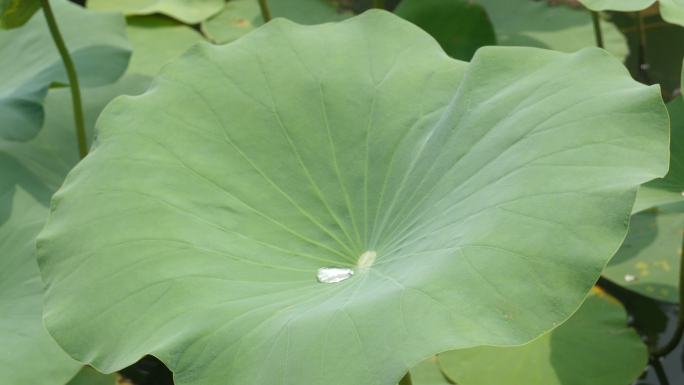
(334, 274)
(645, 66)
(630, 278)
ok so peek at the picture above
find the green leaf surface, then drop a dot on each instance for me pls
(539, 24)
(242, 16)
(155, 41)
(617, 5)
(459, 26)
(30, 62)
(187, 11)
(29, 173)
(90, 376)
(672, 11)
(28, 355)
(648, 260)
(475, 209)
(428, 373)
(15, 13)
(594, 346)
(668, 193)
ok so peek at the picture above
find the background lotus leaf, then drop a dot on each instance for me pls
(29, 173)
(242, 16)
(668, 193)
(594, 346)
(155, 41)
(30, 62)
(617, 5)
(187, 11)
(671, 10)
(648, 260)
(476, 207)
(428, 373)
(539, 24)
(15, 13)
(459, 26)
(90, 376)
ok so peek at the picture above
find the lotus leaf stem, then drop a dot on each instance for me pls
(597, 28)
(641, 30)
(380, 4)
(679, 331)
(658, 369)
(265, 11)
(73, 78)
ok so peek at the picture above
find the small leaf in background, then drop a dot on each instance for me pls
(668, 193)
(186, 11)
(459, 26)
(475, 207)
(29, 355)
(15, 13)
(29, 174)
(617, 5)
(594, 346)
(238, 18)
(428, 373)
(242, 16)
(90, 376)
(648, 260)
(672, 11)
(30, 62)
(557, 27)
(156, 40)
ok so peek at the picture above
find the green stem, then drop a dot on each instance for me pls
(643, 65)
(597, 28)
(73, 79)
(679, 331)
(380, 4)
(265, 11)
(406, 380)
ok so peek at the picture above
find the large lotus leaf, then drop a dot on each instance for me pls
(459, 26)
(30, 62)
(473, 212)
(242, 16)
(671, 10)
(187, 11)
(648, 260)
(539, 24)
(29, 173)
(15, 13)
(155, 41)
(668, 193)
(594, 346)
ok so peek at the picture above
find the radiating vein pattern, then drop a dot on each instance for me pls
(448, 205)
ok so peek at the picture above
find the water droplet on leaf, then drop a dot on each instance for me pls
(630, 278)
(334, 274)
